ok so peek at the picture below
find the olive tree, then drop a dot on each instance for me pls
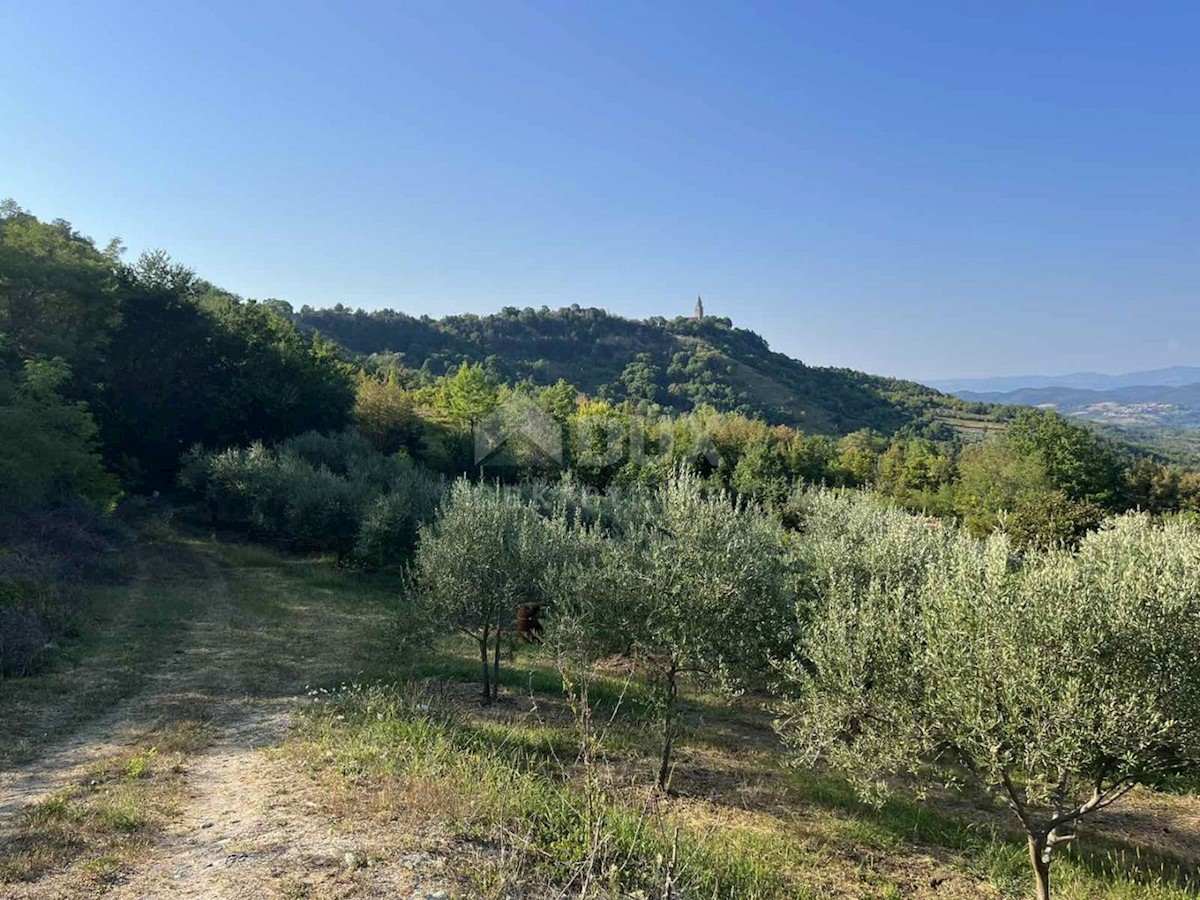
(322, 511)
(583, 626)
(391, 521)
(850, 540)
(486, 554)
(698, 587)
(862, 565)
(1057, 681)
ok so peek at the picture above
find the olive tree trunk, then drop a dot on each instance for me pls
(1040, 858)
(672, 686)
(483, 654)
(495, 666)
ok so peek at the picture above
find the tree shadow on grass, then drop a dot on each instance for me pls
(1000, 846)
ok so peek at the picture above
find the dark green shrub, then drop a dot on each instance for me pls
(318, 493)
(23, 641)
(391, 521)
(1051, 519)
(338, 451)
(322, 512)
(235, 482)
(388, 534)
(47, 558)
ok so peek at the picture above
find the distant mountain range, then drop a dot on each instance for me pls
(1172, 376)
(1140, 405)
(1155, 399)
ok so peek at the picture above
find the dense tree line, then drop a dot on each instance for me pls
(1044, 478)
(676, 364)
(109, 372)
(129, 364)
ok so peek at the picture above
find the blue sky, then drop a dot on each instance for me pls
(919, 189)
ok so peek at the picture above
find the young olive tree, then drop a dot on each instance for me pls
(699, 589)
(486, 554)
(861, 564)
(1059, 681)
(583, 627)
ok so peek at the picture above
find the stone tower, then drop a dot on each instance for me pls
(699, 308)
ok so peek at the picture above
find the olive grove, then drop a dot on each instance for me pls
(1056, 680)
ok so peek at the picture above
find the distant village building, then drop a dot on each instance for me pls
(699, 308)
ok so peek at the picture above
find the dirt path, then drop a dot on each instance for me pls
(246, 831)
(193, 671)
(241, 824)
(64, 764)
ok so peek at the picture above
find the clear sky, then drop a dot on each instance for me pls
(926, 189)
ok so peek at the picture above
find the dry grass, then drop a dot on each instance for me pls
(732, 792)
(103, 823)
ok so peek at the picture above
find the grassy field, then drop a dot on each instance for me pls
(738, 822)
(345, 761)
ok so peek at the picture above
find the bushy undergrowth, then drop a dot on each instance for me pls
(46, 558)
(318, 493)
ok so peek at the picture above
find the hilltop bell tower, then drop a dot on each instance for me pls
(699, 309)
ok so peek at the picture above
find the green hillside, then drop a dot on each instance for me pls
(677, 363)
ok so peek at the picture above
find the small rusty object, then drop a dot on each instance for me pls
(528, 625)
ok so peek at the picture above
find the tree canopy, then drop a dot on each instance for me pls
(1058, 680)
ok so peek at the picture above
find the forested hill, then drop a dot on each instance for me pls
(677, 363)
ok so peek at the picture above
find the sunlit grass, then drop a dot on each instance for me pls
(522, 783)
(488, 757)
(105, 823)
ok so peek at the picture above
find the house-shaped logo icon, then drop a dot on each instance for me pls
(519, 420)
